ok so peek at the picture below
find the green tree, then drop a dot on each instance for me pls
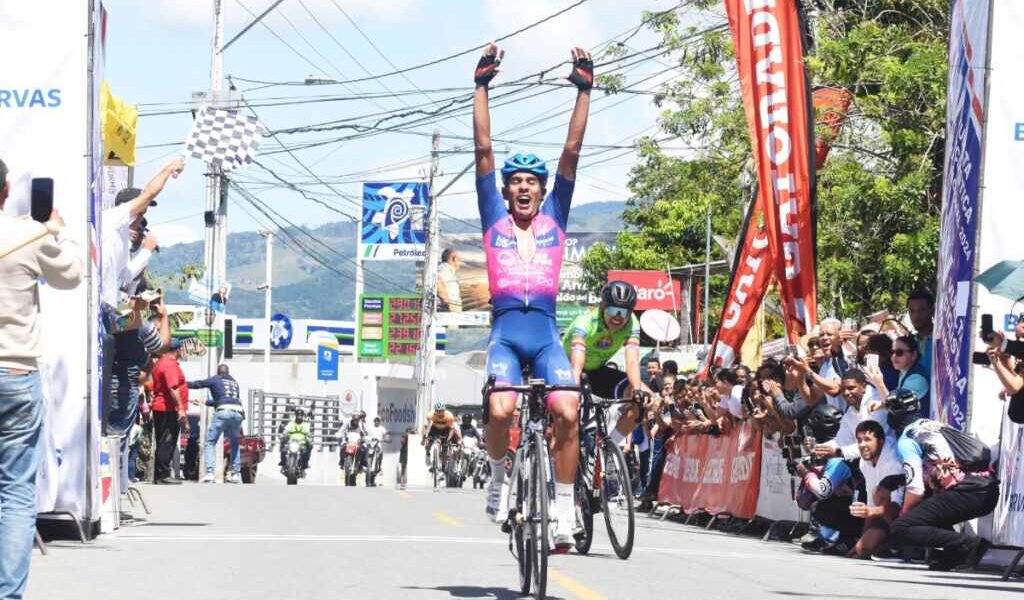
(879, 197)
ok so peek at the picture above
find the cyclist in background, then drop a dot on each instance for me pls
(440, 425)
(524, 239)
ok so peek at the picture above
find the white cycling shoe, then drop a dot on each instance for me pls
(563, 535)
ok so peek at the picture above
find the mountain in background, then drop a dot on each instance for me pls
(304, 289)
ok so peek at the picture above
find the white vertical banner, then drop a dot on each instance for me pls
(44, 120)
(999, 239)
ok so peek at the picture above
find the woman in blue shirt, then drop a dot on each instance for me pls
(912, 375)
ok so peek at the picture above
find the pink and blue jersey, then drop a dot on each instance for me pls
(523, 293)
(516, 284)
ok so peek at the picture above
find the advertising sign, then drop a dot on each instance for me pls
(654, 289)
(393, 221)
(48, 97)
(958, 230)
(281, 332)
(326, 363)
(770, 63)
(573, 294)
(998, 240)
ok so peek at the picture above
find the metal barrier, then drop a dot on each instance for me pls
(268, 414)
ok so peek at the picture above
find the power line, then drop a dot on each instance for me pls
(445, 58)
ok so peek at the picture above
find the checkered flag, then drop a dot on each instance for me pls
(224, 138)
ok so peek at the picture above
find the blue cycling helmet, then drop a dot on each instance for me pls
(530, 163)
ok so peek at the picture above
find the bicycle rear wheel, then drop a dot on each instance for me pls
(617, 499)
(538, 518)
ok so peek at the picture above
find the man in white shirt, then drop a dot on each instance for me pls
(129, 209)
(884, 480)
(376, 431)
(858, 397)
(448, 282)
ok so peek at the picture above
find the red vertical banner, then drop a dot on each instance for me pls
(751, 274)
(769, 58)
(830, 107)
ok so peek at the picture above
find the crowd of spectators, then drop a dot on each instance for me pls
(850, 408)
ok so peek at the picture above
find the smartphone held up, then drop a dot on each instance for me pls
(42, 199)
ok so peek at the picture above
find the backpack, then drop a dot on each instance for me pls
(969, 451)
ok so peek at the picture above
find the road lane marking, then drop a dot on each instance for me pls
(574, 587)
(447, 519)
(239, 537)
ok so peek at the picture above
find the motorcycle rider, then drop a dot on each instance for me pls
(467, 429)
(440, 425)
(297, 430)
(355, 425)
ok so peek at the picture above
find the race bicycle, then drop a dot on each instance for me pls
(532, 480)
(604, 476)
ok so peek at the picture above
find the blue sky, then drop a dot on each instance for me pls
(158, 53)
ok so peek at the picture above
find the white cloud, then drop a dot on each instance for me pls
(193, 14)
(170, 234)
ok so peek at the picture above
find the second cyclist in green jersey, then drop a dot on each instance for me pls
(594, 337)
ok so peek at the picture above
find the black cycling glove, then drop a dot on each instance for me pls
(582, 75)
(486, 69)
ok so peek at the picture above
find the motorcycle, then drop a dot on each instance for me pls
(374, 455)
(479, 465)
(350, 457)
(292, 469)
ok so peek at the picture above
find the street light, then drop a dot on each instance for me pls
(314, 80)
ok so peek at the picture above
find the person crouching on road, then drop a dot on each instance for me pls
(226, 401)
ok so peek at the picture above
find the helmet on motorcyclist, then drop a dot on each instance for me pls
(300, 413)
(467, 419)
(438, 406)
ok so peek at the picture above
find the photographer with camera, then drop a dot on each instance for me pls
(1006, 357)
(955, 468)
(827, 485)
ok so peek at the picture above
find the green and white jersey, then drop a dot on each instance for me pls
(589, 333)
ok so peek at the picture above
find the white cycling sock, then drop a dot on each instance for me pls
(497, 470)
(565, 504)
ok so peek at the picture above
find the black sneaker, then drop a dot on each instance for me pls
(890, 555)
(944, 560)
(976, 550)
(815, 545)
(839, 548)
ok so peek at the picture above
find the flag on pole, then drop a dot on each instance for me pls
(224, 138)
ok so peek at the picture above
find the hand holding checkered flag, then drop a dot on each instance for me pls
(224, 138)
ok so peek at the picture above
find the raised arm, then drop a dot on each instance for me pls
(486, 69)
(156, 185)
(582, 77)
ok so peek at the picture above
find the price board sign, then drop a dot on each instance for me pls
(391, 326)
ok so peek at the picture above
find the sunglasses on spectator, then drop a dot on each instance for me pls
(900, 352)
(617, 311)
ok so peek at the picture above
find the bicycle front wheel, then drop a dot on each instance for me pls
(435, 462)
(617, 499)
(584, 514)
(538, 516)
(518, 503)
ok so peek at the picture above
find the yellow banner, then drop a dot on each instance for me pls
(119, 123)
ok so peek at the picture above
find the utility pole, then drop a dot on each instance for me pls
(267, 288)
(707, 276)
(428, 338)
(216, 206)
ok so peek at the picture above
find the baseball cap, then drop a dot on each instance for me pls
(175, 343)
(129, 194)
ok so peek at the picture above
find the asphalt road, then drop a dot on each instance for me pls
(325, 542)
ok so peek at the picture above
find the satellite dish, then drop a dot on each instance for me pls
(659, 325)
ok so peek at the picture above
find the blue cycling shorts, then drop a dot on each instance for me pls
(527, 337)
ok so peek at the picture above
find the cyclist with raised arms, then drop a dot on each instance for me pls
(524, 237)
(594, 337)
